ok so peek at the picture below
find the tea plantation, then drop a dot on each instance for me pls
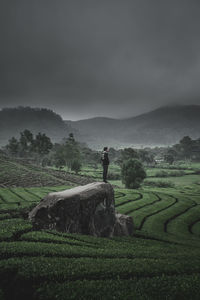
(161, 261)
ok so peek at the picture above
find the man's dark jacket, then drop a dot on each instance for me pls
(104, 158)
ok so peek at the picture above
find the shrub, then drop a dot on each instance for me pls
(133, 173)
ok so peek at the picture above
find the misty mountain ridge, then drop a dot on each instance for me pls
(15, 120)
(162, 126)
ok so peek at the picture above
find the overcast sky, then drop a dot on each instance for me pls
(91, 58)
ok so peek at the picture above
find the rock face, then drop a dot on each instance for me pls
(123, 225)
(88, 209)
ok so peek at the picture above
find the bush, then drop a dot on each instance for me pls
(133, 173)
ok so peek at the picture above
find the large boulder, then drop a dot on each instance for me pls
(88, 209)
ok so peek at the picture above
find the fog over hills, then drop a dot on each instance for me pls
(15, 120)
(163, 126)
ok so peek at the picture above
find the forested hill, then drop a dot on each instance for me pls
(15, 120)
(163, 126)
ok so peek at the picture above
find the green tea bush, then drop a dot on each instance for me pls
(4, 216)
(114, 176)
(176, 173)
(161, 174)
(161, 184)
(12, 227)
(63, 269)
(164, 287)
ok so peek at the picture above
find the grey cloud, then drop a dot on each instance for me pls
(88, 58)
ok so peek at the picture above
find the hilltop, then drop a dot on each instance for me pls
(160, 127)
(15, 120)
(163, 126)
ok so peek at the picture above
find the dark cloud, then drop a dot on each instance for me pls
(86, 58)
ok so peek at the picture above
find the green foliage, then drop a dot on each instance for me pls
(161, 261)
(159, 287)
(76, 166)
(13, 146)
(188, 149)
(20, 173)
(4, 216)
(169, 158)
(66, 153)
(11, 227)
(163, 173)
(146, 156)
(159, 183)
(59, 160)
(26, 140)
(133, 173)
(42, 144)
(15, 120)
(113, 176)
(27, 145)
(126, 154)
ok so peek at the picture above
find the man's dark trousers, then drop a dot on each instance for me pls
(105, 172)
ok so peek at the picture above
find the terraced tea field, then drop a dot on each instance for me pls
(20, 173)
(161, 261)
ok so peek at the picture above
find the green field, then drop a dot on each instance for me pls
(161, 260)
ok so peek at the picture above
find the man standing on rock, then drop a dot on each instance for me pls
(105, 163)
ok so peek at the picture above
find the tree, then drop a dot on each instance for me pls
(169, 158)
(59, 162)
(58, 157)
(42, 144)
(126, 154)
(76, 166)
(146, 157)
(67, 153)
(71, 152)
(129, 153)
(186, 146)
(133, 173)
(26, 141)
(13, 146)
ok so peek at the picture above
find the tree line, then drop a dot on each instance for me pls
(73, 155)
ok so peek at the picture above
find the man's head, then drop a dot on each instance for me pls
(105, 149)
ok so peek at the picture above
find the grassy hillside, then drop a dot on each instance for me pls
(161, 261)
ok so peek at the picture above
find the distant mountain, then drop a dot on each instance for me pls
(15, 120)
(163, 126)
